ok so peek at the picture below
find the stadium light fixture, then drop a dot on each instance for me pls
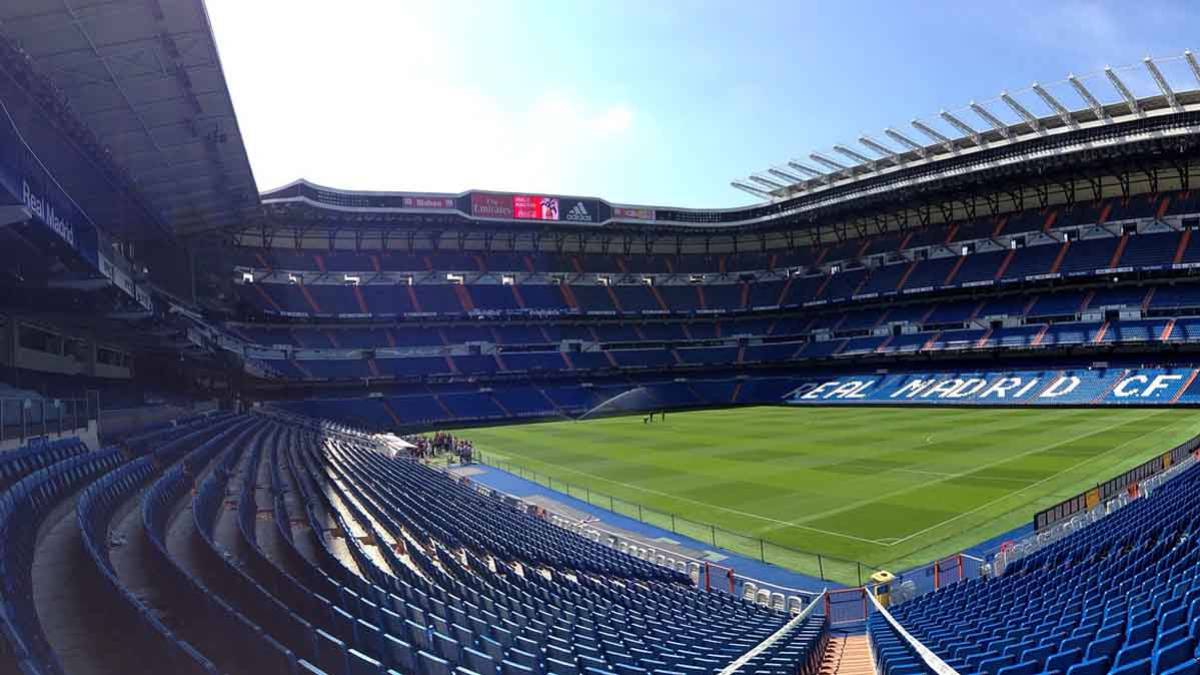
(1058, 108)
(934, 134)
(822, 159)
(1022, 111)
(351, 279)
(868, 142)
(406, 280)
(987, 116)
(772, 184)
(808, 169)
(1163, 85)
(906, 142)
(293, 279)
(854, 155)
(604, 281)
(785, 175)
(1088, 98)
(744, 187)
(1130, 99)
(696, 279)
(247, 278)
(963, 128)
(805, 168)
(649, 281)
(508, 280)
(456, 279)
(1193, 64)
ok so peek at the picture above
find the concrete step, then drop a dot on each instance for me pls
(848, 655)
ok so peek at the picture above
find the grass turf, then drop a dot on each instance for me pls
(890, 487)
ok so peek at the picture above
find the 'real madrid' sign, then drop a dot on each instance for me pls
(44, 210)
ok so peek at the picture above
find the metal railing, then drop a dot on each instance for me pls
(778, 635)
(26, 418)
(934, 576)
(824, 567)
(932, 661)
(1113, 487)
(1080, 520)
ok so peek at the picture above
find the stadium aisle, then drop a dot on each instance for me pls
(848, 655)
(70, 601)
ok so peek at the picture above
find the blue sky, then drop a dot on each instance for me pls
(641, 102)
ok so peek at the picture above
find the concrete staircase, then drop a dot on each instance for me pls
(848, 655)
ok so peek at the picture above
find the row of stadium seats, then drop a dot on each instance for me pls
(684, 355)
(1132, 385)
(1061, 386)
(52, 473)
(560, 626)
(1056, 259)
(1113, 210)
(1084, 257)
(1119, 596)
(367, 565)
(529, 401)
(1065, 304)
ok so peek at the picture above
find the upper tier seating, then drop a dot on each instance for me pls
(893, 265)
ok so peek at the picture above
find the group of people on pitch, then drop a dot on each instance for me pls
(662, 416)
(425, 447)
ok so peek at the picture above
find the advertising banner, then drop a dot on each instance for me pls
(579, 210)
(629, 213)
(530, 207)
(418, 202)
(491, 206)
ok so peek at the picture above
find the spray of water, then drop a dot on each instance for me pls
(633, 401)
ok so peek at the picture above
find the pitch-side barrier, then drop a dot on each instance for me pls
(704, 573)
(1010, 552)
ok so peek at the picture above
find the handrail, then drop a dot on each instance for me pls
(933, 661)
(775, 637)
(810, 596)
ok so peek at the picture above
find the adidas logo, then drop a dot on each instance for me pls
(579, 212)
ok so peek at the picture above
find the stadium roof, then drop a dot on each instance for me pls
(1152, 88)
(145, 77)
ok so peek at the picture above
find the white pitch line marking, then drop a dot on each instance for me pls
(981, 467)
(1011, 494)
(712, 506)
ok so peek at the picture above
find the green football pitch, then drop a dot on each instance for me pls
(888, 487)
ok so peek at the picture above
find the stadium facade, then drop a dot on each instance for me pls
(1065, 239)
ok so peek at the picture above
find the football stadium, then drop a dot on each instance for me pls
(928, 405)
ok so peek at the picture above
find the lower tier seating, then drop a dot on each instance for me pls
(248, 543)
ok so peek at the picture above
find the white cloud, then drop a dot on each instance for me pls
(389, 104)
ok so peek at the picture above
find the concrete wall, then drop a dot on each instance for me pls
(117, 423)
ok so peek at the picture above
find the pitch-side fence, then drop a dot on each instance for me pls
(826, 568)
(1113, 487)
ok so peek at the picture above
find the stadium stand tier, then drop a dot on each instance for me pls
(367, 563)
(1118, 596)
